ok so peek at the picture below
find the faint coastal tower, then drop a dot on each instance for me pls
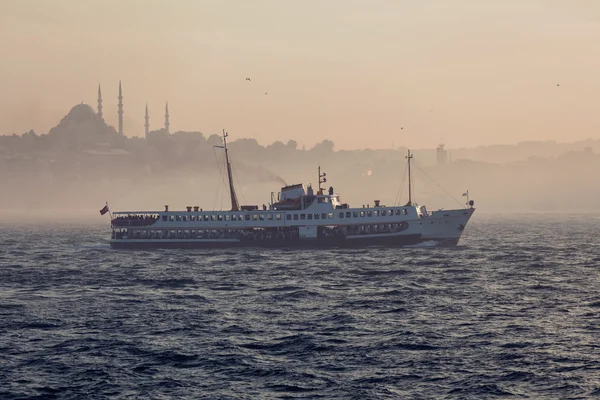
(120, 110)
(100, 115)
(167, 118)
(147, 124)
(442, 155)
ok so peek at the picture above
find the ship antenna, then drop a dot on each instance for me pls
(234, 201)
(319, 176)
(322, 179)
(409, 157)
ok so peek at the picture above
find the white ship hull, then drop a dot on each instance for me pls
(405, 226)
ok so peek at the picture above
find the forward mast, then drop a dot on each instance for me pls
(235, 206)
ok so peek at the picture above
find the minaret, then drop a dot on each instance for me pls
(147, 124)
(100, 116)
(120, 110)
(167, 117)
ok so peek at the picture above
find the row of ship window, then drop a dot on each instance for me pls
(289, 217)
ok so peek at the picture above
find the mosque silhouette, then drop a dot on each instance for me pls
(84, 124)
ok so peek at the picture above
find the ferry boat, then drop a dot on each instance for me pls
(299, 217)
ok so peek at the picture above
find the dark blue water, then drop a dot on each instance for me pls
(512, 312)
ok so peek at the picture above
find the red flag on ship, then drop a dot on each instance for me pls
(104, 210)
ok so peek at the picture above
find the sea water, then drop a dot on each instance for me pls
(513, 311)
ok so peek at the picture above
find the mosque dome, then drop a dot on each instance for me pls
(81, 122)
(81, 112)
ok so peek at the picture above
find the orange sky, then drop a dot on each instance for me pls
(469, 71)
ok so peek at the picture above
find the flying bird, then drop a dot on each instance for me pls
(248, 79)
(266, 93)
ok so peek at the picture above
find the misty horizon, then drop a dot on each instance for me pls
(83, 160)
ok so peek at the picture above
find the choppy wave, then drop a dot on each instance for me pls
(511, 312)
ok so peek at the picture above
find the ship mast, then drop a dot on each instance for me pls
(409, 157)
(234, 201)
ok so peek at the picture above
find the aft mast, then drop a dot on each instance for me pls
(322, 179)
(234, 201)
(409, 157)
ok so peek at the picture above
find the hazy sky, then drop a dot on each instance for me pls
(473, 71)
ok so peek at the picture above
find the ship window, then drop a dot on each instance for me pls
(362, 213)
(247, 217)
(261, 217)
(184, 218)
(205, 217)
(270, 217)
(192, 218)
(330, 215)
(348, 214)
(254, 217)
(234, 217)
(164, 217)
(355, 214)
(288, 217)
(295, 217)
(227, 217)
(277, 217)
(376, 213)
(309, 216)
(369, 213)
(323, 215)
(172, 218)
(302, 216)
(219, 217)
(316, 215)
(341, 214)
(404, 211)
(213, 217)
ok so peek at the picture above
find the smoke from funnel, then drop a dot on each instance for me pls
(280, 180)
(259, 173)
